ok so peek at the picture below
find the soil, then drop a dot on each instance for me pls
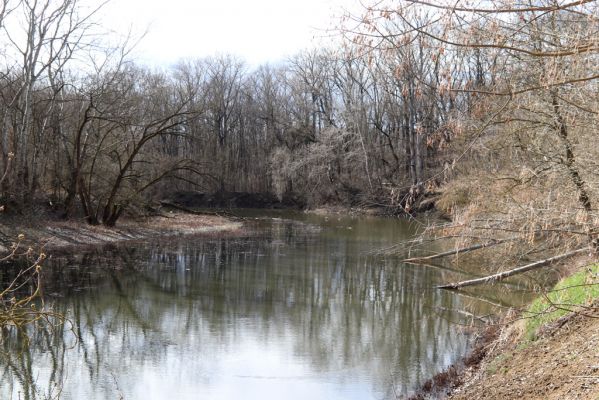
(562, 364)
(56, 234)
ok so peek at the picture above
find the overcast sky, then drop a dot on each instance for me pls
(258, 31)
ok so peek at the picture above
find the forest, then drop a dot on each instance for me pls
(490, 109)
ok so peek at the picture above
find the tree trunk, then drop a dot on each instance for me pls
(562, 129)
(581, 186)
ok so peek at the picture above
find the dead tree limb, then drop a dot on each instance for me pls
(479, 297)
(188, 210)
(7, 168)
(457, 251)
(181, 208)
(464, 313)
(502, 275)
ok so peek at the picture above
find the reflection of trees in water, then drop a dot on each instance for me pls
(346, 306)
(20, 350)
(342, 309)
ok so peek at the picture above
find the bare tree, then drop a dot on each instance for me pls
(51, 33)
(524, 92)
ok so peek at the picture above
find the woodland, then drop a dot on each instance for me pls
(491, 109)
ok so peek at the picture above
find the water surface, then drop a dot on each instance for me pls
(297, 308)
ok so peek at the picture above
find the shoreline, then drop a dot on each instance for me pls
(444, 383)
(55, 235)
(561, 363)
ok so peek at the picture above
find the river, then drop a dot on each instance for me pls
(297, 307)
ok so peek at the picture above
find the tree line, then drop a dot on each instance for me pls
(86, 127)
(415, 95)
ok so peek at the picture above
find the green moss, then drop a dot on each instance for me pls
(578, 289)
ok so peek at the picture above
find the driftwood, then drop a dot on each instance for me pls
(180, 207)
(453, 270)
(502, 275)
(466, 314)
(457, 251)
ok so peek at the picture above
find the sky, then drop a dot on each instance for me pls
(258, 31)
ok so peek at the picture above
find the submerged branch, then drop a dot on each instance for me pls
(502, 275)
(457, 251)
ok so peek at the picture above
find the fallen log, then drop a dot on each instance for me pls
(458, 251)
(502, 275)
(180, 207)
(479, 297)
(465, 313)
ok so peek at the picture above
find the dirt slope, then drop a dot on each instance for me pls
(563, 364)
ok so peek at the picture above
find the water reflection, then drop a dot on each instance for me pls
(298, 310)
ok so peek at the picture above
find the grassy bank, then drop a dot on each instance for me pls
(550, 351)
(574, 293)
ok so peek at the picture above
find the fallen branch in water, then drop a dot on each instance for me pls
(180, 207)
(502, 275)
(458, 251)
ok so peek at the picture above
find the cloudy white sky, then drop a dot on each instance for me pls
(256, 30)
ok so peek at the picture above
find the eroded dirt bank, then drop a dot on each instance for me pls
(562, 364)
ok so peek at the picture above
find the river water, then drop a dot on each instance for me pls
(297, 307)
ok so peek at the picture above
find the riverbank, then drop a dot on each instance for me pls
(430, 213)
(545, 351)
(563, 363)
(52, 234)
(548, 351)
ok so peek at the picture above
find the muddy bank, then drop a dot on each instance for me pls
(56, 234)
(519, 357)
(427, 209)
(355, 211)
(445, 382)
(563, 363)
